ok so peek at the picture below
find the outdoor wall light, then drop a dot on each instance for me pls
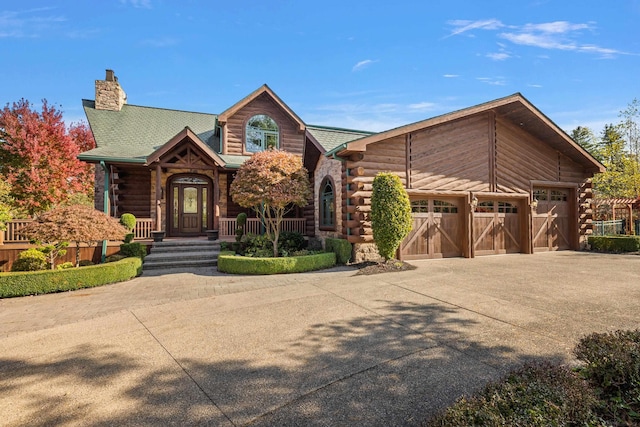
(474, 203)
(534, 204)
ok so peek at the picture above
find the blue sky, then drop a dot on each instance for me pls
(369, 64)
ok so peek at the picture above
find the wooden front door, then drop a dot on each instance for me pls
(551, 219)
(437, 230)
(190, 206)
(496, 228)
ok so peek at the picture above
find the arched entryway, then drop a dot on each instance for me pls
(189, 205)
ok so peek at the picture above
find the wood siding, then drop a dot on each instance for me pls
(452, 156)
(291, 139)
(521, 158)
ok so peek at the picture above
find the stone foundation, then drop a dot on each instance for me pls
(366, 252)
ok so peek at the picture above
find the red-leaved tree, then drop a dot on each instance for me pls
(271, 182)
(38, 156)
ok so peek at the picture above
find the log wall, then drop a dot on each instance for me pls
(451, 156)
(132, 190)
(291, 139)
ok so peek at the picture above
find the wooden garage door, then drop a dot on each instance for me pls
(437, 230)
(551, 220)
(496, 228)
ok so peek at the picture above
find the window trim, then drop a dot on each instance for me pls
(264, 134)
(334, 223)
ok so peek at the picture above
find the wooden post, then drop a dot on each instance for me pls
(158, 197)
(216, 199)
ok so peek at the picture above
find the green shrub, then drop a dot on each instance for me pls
(65, 265)
(128, 238)
(291, 241)
(612, 366)
(390, 213)
(246, 265)
(114, 258)
(30, 260)
(42, 282)
(241, 221)
(614, 243)
(133, 249)
(128, 221)
(255, 245)
(535, 395)
(341, 247)
(225, 246)
(87, 262)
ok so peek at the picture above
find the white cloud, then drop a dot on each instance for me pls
(28, 23)
(462, 26)
(498, 56)
(556, 35)
(534, 85)
(138, 4)
(362, 64)
(493, 81)
(450, 76)
(422, 106)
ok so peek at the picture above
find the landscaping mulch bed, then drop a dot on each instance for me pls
(371, 267)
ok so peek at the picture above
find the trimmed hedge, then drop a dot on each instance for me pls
(341, 247)
(614, 243)
(49, 281)
(229, 263)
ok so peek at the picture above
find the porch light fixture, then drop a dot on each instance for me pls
(534, 204)
(474, 203)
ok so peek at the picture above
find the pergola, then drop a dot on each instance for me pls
(625, 204)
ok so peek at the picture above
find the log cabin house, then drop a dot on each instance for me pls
(495, 178)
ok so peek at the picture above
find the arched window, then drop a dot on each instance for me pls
(261, 133)
(327, 205)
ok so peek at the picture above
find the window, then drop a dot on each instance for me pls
(540, 195)
(261, 134)
(485, 207)
(504, 207)
(327, 205)
(419, 206)
(558, 196)
(440, 206)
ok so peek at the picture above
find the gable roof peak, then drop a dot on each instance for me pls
(264, 89)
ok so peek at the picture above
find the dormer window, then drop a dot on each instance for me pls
(261, 134)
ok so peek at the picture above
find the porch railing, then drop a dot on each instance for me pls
(254, 226)
(144, 227)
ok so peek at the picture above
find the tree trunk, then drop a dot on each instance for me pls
(77, 254)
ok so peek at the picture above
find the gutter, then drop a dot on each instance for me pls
(106, 204)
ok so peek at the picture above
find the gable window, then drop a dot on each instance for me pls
(261, 134)
(327, 205)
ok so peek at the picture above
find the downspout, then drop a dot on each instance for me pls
(106, 204)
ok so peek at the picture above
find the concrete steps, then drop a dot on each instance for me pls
(181, 256)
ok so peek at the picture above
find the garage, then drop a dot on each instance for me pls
(551, 219)
(437, 230)
(497, 227)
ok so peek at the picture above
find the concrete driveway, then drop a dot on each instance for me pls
(326, 348)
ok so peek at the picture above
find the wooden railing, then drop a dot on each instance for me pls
(12, 233)
(144, 227)
(253, 226)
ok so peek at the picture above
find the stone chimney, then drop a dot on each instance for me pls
(109, 94)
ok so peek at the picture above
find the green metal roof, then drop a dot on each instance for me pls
(331, 138)
(133, 133)
(233, 161)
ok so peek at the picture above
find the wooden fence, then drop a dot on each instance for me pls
(144, 227)
(254, 226)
